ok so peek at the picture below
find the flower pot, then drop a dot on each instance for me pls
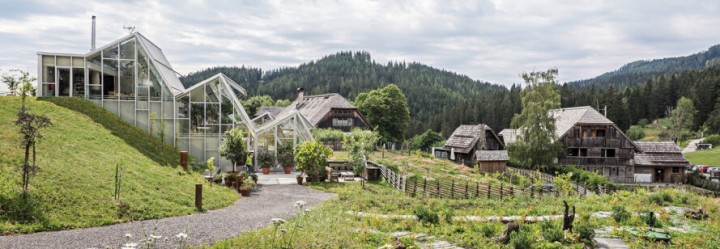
(245, 192)
(299, 180)
(266, 171)
(288, 170)
(228, 183)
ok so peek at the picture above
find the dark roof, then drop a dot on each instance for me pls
(659, 154)
(658, 147)
(272, 110)
(464, 137)
(491, 155)
(315, 107)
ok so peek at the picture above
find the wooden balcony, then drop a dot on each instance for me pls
(606, 142)
(609, 161)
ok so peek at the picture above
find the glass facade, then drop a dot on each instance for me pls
(123, 77)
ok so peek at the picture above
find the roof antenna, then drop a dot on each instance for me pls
(130, 29)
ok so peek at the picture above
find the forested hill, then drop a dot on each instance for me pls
(635, 73)
(438, 99)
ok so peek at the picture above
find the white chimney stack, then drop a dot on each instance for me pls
(301, 98)
(92, 36)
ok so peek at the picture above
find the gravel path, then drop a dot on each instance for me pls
(692, 145)
(247, 214)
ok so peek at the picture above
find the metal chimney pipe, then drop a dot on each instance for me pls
(92, 38)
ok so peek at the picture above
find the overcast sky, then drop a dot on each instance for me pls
(491, 40)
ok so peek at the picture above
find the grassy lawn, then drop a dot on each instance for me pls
(704, 157)
(329, 225)
(75, 184)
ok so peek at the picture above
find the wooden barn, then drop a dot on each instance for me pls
(466, 140)
(660, 162)
(491, 161)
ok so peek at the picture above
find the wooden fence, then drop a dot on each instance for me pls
(579, 189)
(394, 179)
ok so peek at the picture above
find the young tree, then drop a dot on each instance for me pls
(681, 117)
(30, 125)
(233, 147)
(254, 103)
(387, 110)
(426, 140)
(311, 158)
(537, 144)
(635, 132)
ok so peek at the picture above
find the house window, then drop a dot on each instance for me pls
(607, 153)
(676, 170)
(573, 152)
(600, 133)
(576, 132)
(342, 122)
(583, 152)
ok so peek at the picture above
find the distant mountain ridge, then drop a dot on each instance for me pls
(433, 94)
(635, 73)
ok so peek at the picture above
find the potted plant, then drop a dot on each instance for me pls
(265, 160)
(217, 178)
(286, 158)
(299, 179)
(311, 158)
(246, 188)
(230, 179)
(254, 177)
(233, 147)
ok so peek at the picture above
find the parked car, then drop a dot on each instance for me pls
(703, 168)
(713, 170)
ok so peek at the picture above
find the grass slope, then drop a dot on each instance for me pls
(77, 157)
(704, 157)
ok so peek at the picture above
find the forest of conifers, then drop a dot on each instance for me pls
(441, 100)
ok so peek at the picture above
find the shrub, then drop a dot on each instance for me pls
(551, 232)
(328, 134)
(426, 216)
(712, 139)
(660, 198)
(523, 239)
(311, 157)
(635, 132)
(643, 122)
(586, 234)
(487, 230)
(619, 214)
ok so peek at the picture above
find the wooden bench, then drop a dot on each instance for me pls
(337, 169)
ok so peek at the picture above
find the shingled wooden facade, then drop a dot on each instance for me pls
(466, 141)
(594, 143)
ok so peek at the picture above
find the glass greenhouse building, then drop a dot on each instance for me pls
(132, 78)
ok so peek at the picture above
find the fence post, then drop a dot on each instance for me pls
(466, 189)
(511, 190)
(489, 189)
(452, 189)
(477, 189)
(424, 185)
(532, 192)
(437, 186)
(501, 191)
(198, 197)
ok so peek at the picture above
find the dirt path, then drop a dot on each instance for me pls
(247, 214)
(692, 145)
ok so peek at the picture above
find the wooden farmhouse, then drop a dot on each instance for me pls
(469, 144)
(594, 143)
(323, 111)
